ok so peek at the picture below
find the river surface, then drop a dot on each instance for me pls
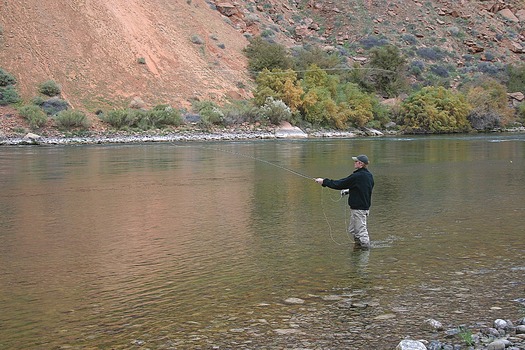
(198, 245)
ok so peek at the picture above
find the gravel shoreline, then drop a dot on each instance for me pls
(106, 137)
(178, 136)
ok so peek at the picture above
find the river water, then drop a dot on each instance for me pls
(198, 245)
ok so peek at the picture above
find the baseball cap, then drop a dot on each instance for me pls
(361, 158)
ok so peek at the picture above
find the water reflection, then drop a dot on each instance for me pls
(169, 243)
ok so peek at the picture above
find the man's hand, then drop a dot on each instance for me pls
(344, 192)
(319, 180)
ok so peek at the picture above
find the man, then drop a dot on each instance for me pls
(359, 185)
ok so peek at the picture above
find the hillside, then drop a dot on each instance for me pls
(92, 49)
(105, 53)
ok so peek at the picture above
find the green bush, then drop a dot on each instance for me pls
(241, 111)
(116, 118)
(318, 107)
(516, 78)
(490, 106)
(305, 57)
(6, 78)
(435, 110)
(34, 115)
(262, 54)
(521, 112)
(281, 85)
(162, 115)
(49, 88)
(72, 119)
(387, 72)
(355, 106)
(158, 117)
(8, 95)
(209, 112)
(276, 111)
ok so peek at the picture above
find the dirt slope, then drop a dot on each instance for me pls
(92, 49)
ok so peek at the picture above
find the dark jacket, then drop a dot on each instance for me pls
(360, 184)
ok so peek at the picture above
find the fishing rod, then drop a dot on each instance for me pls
(261, 160)
(342, 195)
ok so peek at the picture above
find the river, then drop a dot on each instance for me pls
(200, 244)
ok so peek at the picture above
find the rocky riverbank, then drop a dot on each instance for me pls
(186, 135)
(502, 334)
(181, 135)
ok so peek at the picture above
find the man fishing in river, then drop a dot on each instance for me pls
(358, 186)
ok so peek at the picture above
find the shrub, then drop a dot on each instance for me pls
(276, 111)
(417, 68)
(484, 121)
(6, 78)
(435, 110)
(440, 71)
(158, 117)
(388, 71)
(281, 85)
(72, 119)
(305, 57)
(210, 113)
(430, 53)
(49, 88)
(34, 115)
(355, 105)
(162, 115)
(516, 78)
(197, 39)
(54, 105)
(116, 118)
(521, 112)
(241, 111)
(409, 39)
(491, 109)
(318, 106)
(262, 55)
(493, 69)
(8, 95)
(372, 41)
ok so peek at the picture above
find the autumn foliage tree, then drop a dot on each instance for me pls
(435, 110)
(279, 85)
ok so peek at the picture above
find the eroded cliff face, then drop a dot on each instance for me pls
(105, 53)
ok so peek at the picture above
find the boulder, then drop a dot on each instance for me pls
(411, 345)
(286, 130)
(508, 15)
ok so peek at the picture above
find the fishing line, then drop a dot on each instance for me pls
(261, 160)
(295, 173)
(326, 217)
(225, 70)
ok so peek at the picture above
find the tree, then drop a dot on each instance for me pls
(355, 106)
(491, 109)
(435, 110)
(387, 70)
(262, 55)
(304, 57)
(516, 76)
(280, 85)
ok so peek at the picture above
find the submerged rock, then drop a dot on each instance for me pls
(295, 301)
